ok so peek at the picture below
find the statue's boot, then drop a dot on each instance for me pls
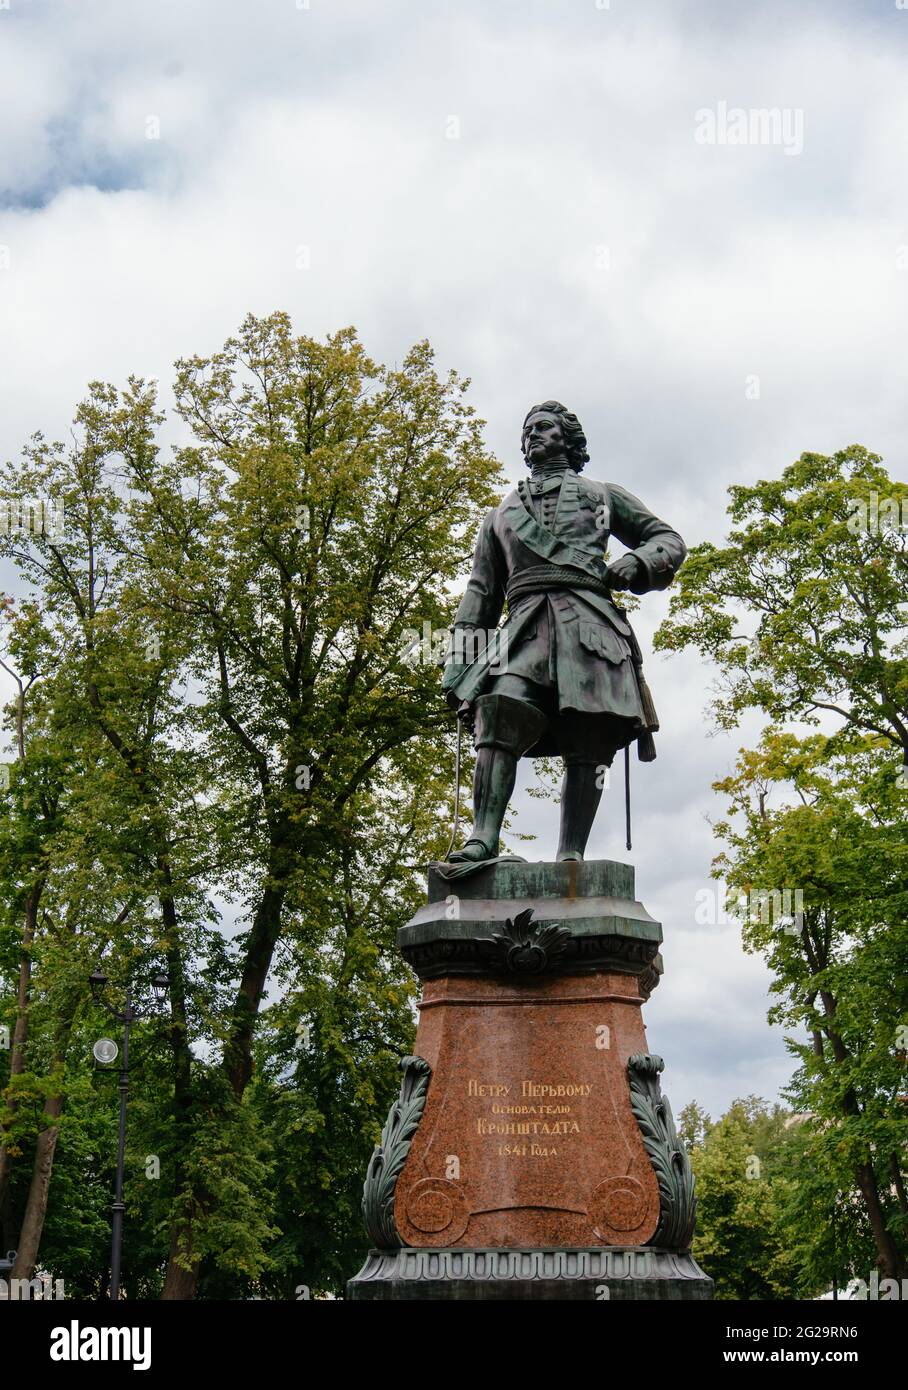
(581, 792)
(493, 782)
(505, 729)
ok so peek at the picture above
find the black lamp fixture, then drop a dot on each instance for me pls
(160, 985)
(97, 979)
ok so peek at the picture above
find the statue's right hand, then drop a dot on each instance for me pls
(465, 715)
(460, 707)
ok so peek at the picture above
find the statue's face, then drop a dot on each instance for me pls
(542, 437)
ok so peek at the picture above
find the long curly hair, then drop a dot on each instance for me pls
(571, 428)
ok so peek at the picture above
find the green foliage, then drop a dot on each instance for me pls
(693, 1122)
(803, 612)
(829, 821)
(233, 768)
(802, 609)
(742, 1165)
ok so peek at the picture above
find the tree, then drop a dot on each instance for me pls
(802, 610)
(244, 674)
(111, 704)
(693, 1124)
(743, 1181)
(315, 521)
(28, 826)
(840, 960)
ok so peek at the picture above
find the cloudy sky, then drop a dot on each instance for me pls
(553, 193)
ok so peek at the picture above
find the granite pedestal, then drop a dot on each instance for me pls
(531, 1153)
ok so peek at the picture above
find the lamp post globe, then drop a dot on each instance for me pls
(105, 1051)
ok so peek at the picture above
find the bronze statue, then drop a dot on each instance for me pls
(564, 674)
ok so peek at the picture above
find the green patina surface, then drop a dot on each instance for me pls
(593, 898)
(510, 879)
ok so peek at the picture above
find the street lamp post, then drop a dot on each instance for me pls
(98, 982)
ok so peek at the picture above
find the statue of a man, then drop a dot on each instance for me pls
(564, 674)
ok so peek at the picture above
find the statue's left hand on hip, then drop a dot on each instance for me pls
(624, 573)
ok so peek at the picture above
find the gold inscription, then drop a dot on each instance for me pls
(533, 1089)
(536, 1122)
(528, 1127)
(521, 1151)
(492, 1089)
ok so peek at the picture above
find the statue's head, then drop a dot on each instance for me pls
(550, 430)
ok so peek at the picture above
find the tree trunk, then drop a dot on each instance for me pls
(20, 1030)
(892, 1262)
(43, 1166)
(179, 1283)
(36, 1205)
(7, 1233)
(263, 937)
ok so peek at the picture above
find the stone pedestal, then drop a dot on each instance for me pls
(531, 1152)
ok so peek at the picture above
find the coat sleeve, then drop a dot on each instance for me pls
(659, 549)
(480, 608)
(482, 604)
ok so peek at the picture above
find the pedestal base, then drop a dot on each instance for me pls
(531, 1152)
(635, 1272)
(528, 1139)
